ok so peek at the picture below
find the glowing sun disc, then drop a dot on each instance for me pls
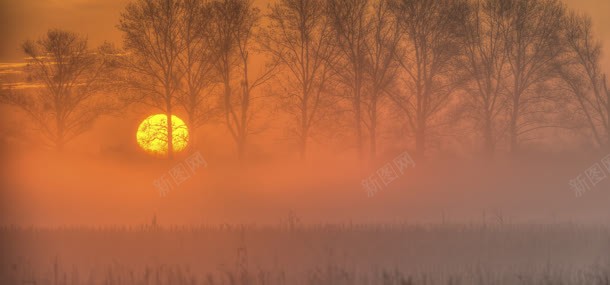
(152, 135)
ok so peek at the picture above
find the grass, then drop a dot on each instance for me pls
(318, 255)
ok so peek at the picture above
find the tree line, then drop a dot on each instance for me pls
(508, 70)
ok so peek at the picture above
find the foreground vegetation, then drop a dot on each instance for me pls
(321, 254)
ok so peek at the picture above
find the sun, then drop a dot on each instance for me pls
(152, 135)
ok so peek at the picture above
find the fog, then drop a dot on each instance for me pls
(102, 180)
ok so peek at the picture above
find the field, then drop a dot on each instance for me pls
(291, 253)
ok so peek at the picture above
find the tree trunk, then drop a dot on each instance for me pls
(235, 132)
(373, 130)
(488, 138)
(373, 145)
(514, 119)
(303, 138)
(514, 142)
(242, 132)
(420, 139)
(304, 124)
(191, 132)
(358, 118)
(245, 106)
(170, 132)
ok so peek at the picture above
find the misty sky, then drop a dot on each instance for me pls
(22, 19)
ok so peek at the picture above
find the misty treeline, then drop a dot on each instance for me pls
(407, 72)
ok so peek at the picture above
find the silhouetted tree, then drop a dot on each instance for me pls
(197, 61)
(382, 67)
(430, 47)
(152, 32)
(67, 79)
(299, 39)
(348, 18)
(533, 44)
(581, 73)
(233, 26)
(485, 62)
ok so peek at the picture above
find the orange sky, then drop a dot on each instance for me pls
(22, 19)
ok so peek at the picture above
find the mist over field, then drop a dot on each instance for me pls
(320, 142)
(110, 190)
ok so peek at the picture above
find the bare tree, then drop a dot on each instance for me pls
(351, 28)
(582, 76)
(299, 39)
(485, 62)
(233, 26)
(151, 37)
(381, 65)
(533, 44)
(67, 77)
(197, 61)
(430, 47)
